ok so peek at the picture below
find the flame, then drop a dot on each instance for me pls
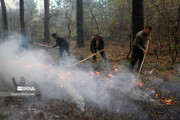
(69, 73)
(62, 86)
(106, 78)
(62, 76)
(92, 73)
(157, 95)
(97, 73)
(45, 66)
(28, 66)
(110, 75)
(15, 61)
(140, 84)
(115, 70)
(167, 101)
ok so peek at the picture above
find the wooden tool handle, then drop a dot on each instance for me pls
(143, 58)
(86, 58)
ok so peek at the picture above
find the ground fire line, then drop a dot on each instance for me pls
(107, 76)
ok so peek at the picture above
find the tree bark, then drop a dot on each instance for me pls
(80, 30)
(46, 22)
(23, 29)
(5, 20)
(137, 17)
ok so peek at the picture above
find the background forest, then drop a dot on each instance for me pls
(110, 18)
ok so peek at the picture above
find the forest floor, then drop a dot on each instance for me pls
(116, 54)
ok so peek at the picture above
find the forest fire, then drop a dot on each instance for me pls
(97, 73)
(68, 80)
(115, 70)
(28, 66)
(15, 61)
(167, 101)
(108, 77)
(82, 56)
(62, 76)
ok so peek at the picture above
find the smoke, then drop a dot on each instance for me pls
(104, 91)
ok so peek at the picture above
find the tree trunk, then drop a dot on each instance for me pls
(46, 22)
(23, 30)
(137, 17)
(80, 31)
(4, 13)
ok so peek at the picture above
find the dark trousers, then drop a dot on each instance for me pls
(103, 55)
(61, 50)
(137, 54)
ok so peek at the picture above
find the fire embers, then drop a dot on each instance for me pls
(160, 97)
(168, 101)
(141, 84)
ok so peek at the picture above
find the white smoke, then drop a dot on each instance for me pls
(54, 80)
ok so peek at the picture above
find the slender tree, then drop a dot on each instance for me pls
(46, 22)
(23, 29)
(137, 17)
(5, 20)
(80, 30)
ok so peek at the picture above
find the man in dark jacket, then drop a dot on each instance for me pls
(63, 45)
(139, 47)
(98, 43)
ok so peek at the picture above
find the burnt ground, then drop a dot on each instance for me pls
(38, 108)
(20, 108)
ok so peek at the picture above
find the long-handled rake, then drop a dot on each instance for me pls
(143, 59)
(86, 58)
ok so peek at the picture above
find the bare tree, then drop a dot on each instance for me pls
(80, 30)
(94, 18)
(68, 17)
(46, 22)
(171, 23)
(5, 20)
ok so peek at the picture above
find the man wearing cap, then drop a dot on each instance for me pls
(97, 43)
